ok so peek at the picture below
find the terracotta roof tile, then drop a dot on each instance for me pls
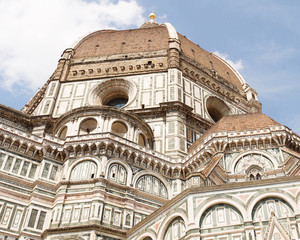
(208, 60)
(111, 42)
(234, 123)
(150, 37)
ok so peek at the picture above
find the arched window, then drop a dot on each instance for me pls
(117, 101)
(254, 173)
(119, 129)
(153, 185)
(264, 208)
(117, 173)
(258, 176)
(175, 230)
(84, 170)
(216, 108)
(87, 126)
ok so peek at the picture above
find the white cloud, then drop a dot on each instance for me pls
(238, 65)
(272, 52)
(163, 17)
(34, 33)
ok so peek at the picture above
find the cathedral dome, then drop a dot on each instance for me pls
(110, 42)
(154, 37)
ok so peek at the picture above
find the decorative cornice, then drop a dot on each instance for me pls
(139, 156)
(88, 227)
(110, 185)
(217, 141)
(87, 69)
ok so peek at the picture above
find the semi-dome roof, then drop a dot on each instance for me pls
(238, 123)
(152, 37)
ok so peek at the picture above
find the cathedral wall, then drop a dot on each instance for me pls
(231, 213)
(150, 90)
(174, 134)
(90, 190)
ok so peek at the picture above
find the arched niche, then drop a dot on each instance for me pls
(148, 235)
(117, 121)
(175, 229)
(252, 163)
(87, 126)
(142, 140)
(265, 207)
(151, 184)
(122, 171)
(119, 128)
(117, 173)
(63, 132)
(217, 108)
(84, 170)
(219, 216)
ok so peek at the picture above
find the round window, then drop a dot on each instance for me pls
(119, 129)
(87, 126)
(117, 102)
(114, 93)
(216, 108)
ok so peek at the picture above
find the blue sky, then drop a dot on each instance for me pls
(260, 36)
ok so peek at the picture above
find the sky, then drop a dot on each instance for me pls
(260, 38)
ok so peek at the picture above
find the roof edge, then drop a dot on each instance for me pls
(85, 36)
(238, 75)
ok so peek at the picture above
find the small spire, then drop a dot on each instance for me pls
(152, 17)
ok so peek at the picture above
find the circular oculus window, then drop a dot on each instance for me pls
(119, 129)
(114, 93)
(216, 108)
(87, 126)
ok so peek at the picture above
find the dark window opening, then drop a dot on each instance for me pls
(117, 102)
(258, 177)
(214, 114)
